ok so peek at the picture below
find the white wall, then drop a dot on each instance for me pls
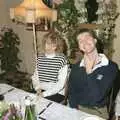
(3, 20)
(116, 56)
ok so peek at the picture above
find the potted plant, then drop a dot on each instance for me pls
(9, 49)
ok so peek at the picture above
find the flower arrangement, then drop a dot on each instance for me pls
(3, 108)
(9, 112)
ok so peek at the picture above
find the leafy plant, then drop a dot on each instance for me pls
(106, 33)
(9, 50)
(72, 13)
(67, 23)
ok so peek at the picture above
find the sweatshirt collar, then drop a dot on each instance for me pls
(104, 61)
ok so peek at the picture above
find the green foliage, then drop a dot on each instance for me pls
(68, 23)
(9, 50)
(106, 31)
(30, 112)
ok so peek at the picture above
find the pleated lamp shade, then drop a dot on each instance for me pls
(32, 11)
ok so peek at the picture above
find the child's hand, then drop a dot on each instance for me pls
(39, 92)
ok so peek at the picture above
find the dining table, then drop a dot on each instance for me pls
(45, 109)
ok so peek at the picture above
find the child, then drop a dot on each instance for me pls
(51, 72)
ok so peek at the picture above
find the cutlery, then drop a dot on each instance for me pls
(8, 91)
(41, 118)
(45, 108)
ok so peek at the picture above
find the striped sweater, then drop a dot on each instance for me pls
(48, 68)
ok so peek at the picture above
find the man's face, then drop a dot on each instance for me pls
(86, 42)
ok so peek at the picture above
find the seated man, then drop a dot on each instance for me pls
(91, 79)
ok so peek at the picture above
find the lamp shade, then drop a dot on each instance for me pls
(32, 11)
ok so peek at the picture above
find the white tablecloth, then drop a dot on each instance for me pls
(54, 112)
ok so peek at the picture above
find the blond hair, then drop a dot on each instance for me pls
(54, 38)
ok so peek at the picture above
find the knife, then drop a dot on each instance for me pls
(8, 91)
(41, 118)
(45, 108)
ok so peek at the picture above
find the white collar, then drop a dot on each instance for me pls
(50, 55)
(104, 62)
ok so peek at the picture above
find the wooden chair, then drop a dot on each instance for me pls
(112, 97)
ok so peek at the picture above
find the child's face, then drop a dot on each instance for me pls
(50, 47)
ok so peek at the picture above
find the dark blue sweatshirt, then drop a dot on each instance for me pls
(90, 89)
